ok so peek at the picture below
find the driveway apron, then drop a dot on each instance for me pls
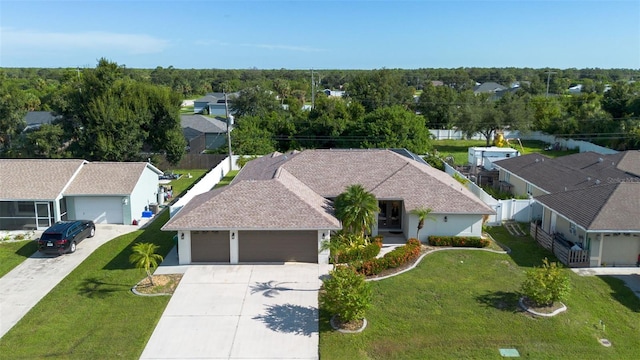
(240, 312)
(24, 286)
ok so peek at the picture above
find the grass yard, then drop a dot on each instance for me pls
(92, 313)
(459, 149)
(183, 184)
(463, 305)
(15, 252)
(226, 180)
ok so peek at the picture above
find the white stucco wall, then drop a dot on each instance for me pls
(144, 193)
(456, 225)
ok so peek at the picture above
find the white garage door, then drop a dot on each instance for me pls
(102, 210)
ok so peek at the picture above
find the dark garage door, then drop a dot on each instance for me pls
(210, 246)
(278, 246)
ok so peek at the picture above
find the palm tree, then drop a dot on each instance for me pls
(144, 257)
(356, 208)
(423, 214)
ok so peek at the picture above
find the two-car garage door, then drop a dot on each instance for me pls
(256, 246)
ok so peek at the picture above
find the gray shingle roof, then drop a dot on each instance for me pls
(202, 124)
(613, 206)
(106, 178)
(282, 202)
(35, 179)
(39, 117)
(576, 171)
(288, 191)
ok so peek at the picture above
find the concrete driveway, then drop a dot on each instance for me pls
(27, 283)
(240, 312)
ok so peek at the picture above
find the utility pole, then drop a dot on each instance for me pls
(226, 110)
(313, 91)
(548, 80)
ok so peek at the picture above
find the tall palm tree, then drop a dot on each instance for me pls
(357, 209)
(144, 257)
(423, 214)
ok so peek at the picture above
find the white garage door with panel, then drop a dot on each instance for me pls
(102, 210)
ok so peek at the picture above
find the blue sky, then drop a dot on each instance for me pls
(321, 34)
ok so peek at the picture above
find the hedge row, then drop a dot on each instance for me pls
(458, 241)
(399, 256)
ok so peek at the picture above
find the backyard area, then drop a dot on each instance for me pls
(463, 304)
(458, 149)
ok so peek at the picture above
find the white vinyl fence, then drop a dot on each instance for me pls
(206, 183)
(520, 210)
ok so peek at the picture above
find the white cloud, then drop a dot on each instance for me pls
(15, 39)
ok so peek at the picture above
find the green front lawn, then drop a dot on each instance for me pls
(463, 305)
(14, 253)
(92, 313)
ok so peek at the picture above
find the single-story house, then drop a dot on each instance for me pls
(214, 104)
(36, 193)
(203, 132)
(35, 119)
(279, 207)
(588, 199)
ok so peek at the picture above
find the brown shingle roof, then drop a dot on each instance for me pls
(107, 178)
(613, 206)
(280, 203)
(630, 162)
(35, 179)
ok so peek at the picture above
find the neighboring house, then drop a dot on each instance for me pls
(278, 208)
(214, 104)
(36, 193)
(488, 87)
(588, 199)
(486, 156)
(577, 89)
(203, 132)
(334, 93)
(35, 119)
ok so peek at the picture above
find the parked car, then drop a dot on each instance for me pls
(64, 236)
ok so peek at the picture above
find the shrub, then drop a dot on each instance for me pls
(359, 253)
(398, 257)
(346, 294)
(434, 161)
(547, 284)
(458, 241)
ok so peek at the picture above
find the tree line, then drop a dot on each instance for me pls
(112, 112)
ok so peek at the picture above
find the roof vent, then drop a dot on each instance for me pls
(537, 160)
(597, 182)
(565, 188)
(600, 159)
(589, 178)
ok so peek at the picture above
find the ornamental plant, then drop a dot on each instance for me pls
(346, 294)
(546, 284)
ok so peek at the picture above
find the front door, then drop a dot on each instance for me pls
(390, 215)
(43, 215)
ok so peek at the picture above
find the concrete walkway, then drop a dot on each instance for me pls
(241, 312)
(24, 286)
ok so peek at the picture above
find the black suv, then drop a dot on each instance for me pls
(63, 236)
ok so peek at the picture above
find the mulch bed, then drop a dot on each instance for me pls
(162, 284)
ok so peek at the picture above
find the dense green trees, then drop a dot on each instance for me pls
(112, 112)
(110, 117)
